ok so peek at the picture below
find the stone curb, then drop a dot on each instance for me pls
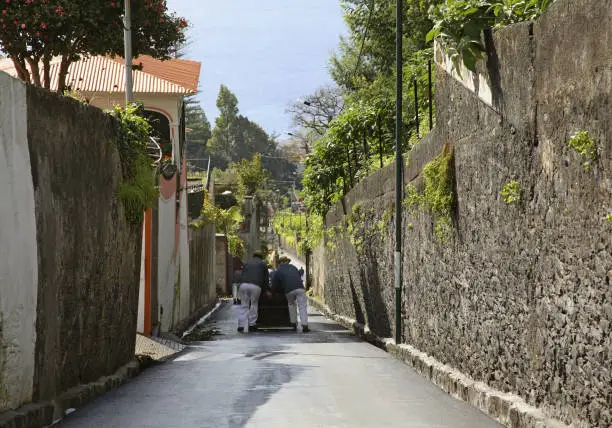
(212, 309)
(508, 409)
(194, 318)
(36, 415)
(50, 412)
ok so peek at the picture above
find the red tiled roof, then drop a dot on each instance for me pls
(105, 74)
(183, 72)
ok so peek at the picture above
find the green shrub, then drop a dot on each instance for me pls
(138, 190)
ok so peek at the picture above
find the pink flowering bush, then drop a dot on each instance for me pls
(34, 31)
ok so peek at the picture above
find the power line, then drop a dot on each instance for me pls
(263, 156)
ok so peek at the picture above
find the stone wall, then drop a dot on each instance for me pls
(88, 254)
(18, 263)
(249, 232)
(222, 284)
(519, 295)
(317, 271)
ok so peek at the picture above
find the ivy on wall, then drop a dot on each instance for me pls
(138, 190)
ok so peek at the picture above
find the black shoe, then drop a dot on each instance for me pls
(253, 328)
(235, 301)
(305, 329)
(240, 329)
(293, 326)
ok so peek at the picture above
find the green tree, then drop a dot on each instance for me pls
(361, 137)
(223, 135)
(196, 121)
(252, 176)
(250, 138)
(369, 50)
(33, 32)
(459, 24)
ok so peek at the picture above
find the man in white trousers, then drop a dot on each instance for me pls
(254, 277)
(287, 279)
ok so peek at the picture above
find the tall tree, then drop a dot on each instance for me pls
(223, 135)
(197, 122)
(32, 32)
(370, 48)
(316, 110)
(235, 137)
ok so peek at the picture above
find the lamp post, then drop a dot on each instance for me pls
(127, 44)
(398, 172)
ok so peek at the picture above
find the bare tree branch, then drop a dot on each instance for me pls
(317, 110)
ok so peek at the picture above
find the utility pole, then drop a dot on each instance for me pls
(398, 171)
(127, 43)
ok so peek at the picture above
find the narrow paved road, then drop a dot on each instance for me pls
(279, 379)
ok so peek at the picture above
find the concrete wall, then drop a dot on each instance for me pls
(18, 257)
(184, 251)
(88, 254)
(167, 274)
(519, 296)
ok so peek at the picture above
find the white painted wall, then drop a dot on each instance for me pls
(166, 269)
(184, 257)
(18, 251)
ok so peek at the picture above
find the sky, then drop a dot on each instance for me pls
(267, 52)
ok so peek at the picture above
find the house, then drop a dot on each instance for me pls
(161, 86)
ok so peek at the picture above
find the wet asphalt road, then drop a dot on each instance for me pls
(279, 379)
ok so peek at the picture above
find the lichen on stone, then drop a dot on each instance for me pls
(413, 200)
(439, 194)
(511, 192)
(585, 146)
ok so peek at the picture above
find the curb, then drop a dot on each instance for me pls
(508, 409)
(51, 412)
(202, 319)
(194, 319)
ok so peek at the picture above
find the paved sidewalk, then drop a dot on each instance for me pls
(156, 347)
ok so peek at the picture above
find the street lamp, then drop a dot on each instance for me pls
(398, 171)
(127, 45)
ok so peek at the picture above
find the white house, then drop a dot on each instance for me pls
(161, 86)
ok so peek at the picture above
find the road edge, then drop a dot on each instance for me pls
(508, 409)
(49, 413)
